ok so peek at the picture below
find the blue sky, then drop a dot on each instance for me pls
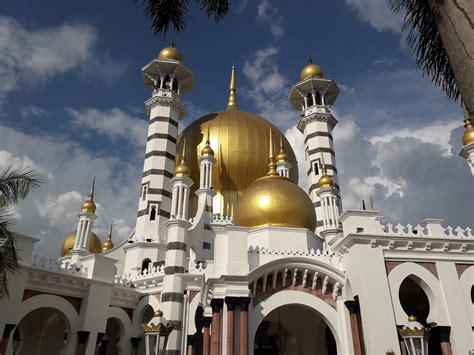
(71, 102)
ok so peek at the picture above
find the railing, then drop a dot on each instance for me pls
(422, 231)
(49, 264)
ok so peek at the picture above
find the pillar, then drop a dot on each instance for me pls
(82, 337)
(206, 336)
(190, 350)
(135, 343)
(356, 326)
(442, 334)
(216, 305)
(244, 325)
(6, 338)
(230, 302)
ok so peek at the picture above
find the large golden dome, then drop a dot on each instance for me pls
(276, 201)
(95, 245)
(240, 143)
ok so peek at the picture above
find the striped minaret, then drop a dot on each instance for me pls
(168, 79)
(176, 261)
(314, 96)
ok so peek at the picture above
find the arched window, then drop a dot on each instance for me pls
(175, 85)
(319, 101)
(153, 213)
(166, 84)
(316, 168)
(310, 100)
(144, 193)
(146, 263)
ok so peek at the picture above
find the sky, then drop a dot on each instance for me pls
(71, 103)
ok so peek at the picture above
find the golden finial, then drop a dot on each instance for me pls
(182, 169)
(271, 156)
(233, 89)
(207, 150)
(325, 180)
(310, 60)
(281, 157)
(108, 244)
(89, 205)
(468, 136)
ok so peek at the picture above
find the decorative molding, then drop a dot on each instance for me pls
(460, 268)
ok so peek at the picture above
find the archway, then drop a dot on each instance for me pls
(43, 331)
(113, 333)
(294, 329)
(147, 315)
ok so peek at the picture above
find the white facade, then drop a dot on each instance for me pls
(228, 289)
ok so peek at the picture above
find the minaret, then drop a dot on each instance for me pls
(84, 227)
(314, 95)
(283, 166)
(329, 198)
(108, 244)
(176, 260)
(467, 151)
(168, 80)
(206, 183)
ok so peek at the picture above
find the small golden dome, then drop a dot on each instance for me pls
(170, 52)
(207, 151)
(158, 313)
(325, 180)
(182, 169)
(95, 245)
(266, 202)
(89, 205)
(468, 136)
(281, 157)
(412, 318)
(108, 244)
(311, 71)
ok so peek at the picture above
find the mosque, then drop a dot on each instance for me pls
(230, 256)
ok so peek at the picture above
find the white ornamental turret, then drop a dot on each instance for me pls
(283, 166)
(314, 95)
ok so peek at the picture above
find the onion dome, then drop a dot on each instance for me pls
(207, 150)
(325, 180)
(95, 246)
(182, 169)
(468, 136)
(281, 157)
(108, 244)
(170, 53)
(266, 202)
(89, 205)
(240, 140)
(311, 71)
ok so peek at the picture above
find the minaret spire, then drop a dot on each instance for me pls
(233, 89)
(271, 157)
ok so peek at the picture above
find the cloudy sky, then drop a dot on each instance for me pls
(71, 103)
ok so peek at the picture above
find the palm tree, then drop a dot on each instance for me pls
(441, 34)
(15, 184)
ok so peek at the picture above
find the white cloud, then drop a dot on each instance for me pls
(32, 111)
(30, 57)
(49, 213)
(385, 61)
(112, 123)
(269, 14)
(241, 7)
(378, 14)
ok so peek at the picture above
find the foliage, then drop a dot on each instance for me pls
(425, 41)
(15, 185)
(174, 13)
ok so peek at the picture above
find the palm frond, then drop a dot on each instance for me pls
(8, 254)
(16, 183)
(426, 43)
(167, 14)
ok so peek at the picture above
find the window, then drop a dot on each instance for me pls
(319, 101)
(144, 193)
(310, 100)
(316, 168)
(153, 213)
(146, 263)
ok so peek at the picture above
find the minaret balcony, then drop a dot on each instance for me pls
(321, 109)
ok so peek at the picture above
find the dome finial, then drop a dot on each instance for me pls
(271, 157)
(282, 156)
(468, 136)
(108, 244)
(207, 150)
(89, 205)
(233, 89)
(310, 60)
(182, 169)
(325, 180)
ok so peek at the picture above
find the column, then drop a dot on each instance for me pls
(230, 302)
(442, 334)
(216, 305)
(6, 338)
(244, 325)
(135, 343)
(357, 336)
(206, 336)
(82, 337)
(190, 345)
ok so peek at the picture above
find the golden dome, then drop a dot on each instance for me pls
(240, 140)
(207, 151)
(95, 245)
(108, 244)
(182, 169)
(325, 180)
(311, 71)
(170, 52)
(266, 202)
(89, 205)
(468, 136)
